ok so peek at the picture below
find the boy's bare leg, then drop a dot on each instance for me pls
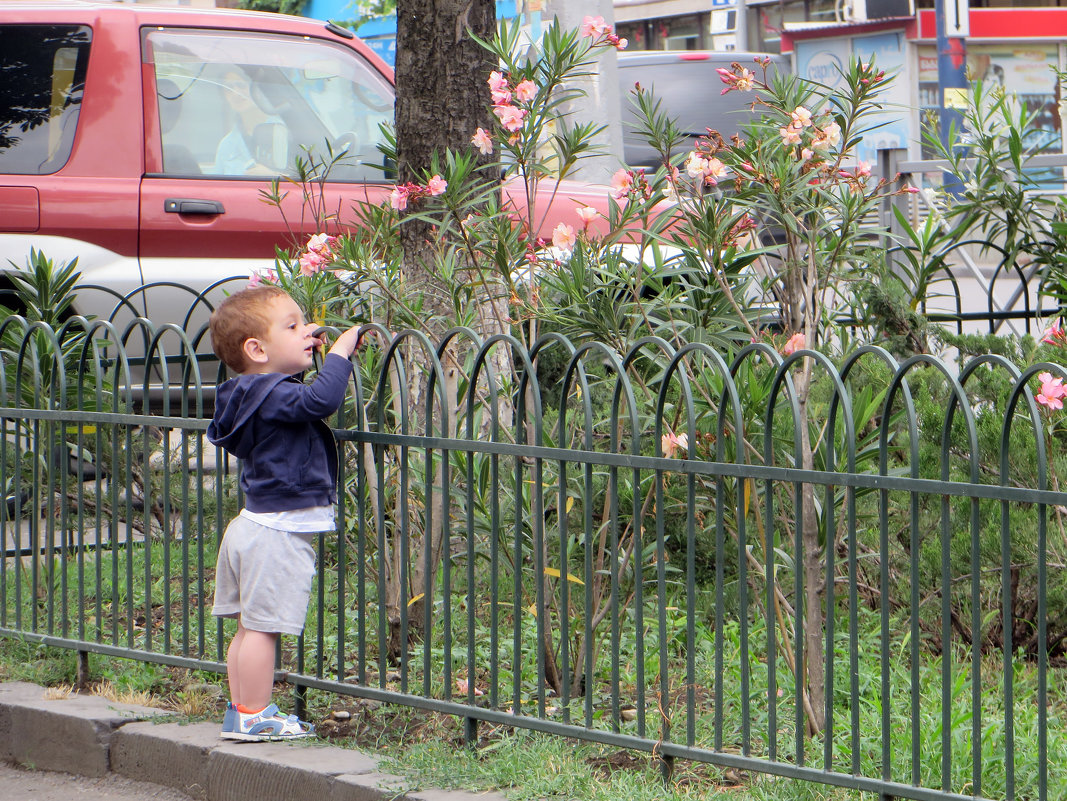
(250, 667)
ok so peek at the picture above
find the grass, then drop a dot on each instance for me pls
(424, 749)
(427, 749)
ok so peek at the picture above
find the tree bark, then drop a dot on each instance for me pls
(441, 100)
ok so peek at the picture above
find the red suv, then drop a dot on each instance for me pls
(139, 139)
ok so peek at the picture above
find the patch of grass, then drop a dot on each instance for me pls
(26, 661)
(191, 694)
(426, 749)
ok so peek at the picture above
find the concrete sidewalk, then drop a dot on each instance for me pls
(91, 736)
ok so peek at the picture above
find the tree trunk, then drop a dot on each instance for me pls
(814, 567)
(441, 100)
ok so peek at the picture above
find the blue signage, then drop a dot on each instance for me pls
(384, 46)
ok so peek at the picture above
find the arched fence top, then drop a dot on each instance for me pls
(682, 357)
(599, 398)
(622, 388)
(393, 359)
(1021, 392)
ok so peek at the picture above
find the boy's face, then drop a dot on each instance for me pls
(287, 346)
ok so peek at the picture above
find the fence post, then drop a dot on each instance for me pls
(82, 679)
(470, 732)
(889, 161)
(300, 701)
(666, 766)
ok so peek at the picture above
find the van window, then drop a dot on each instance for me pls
(42, 78)
(689, 91)
(234, 105)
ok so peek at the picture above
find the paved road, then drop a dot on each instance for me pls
(17, 784)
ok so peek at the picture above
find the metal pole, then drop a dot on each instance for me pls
(741, 26)
(952, 28)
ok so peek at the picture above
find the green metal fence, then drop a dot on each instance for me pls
(650, 550)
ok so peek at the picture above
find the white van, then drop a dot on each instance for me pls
(690, 92)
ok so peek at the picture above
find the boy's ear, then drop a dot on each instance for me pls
(253, 351)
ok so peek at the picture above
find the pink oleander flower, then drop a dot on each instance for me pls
(827, 137)
(832, 132)
(587, 214)
(795, 343)
(563, 237)
(1052, 391)
(807, 154)
(863, 169)
(620, 44)
(801, 117)
(594, 27)
(790, 135)
(398, 198)
(311, 262)
(709, 170)
(501, 97)
(510, 117)
(714, 171)
(526, 91)
(463, 686)
(437, 185)
(483, 141)
(695, 165)
(497, 82)
(672, 443)
(1056, 335)
(321, 243)
(258, 279)
(621, 184)
(743, 81)
(911, 190)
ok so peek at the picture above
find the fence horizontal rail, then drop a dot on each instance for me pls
(695, 467)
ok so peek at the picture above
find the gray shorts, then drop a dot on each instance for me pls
(264, 576)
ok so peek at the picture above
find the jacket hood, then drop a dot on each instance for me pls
(236, 401)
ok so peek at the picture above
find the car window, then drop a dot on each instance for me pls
(42, 78)
(237, 105)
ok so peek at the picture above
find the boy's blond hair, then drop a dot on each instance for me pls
(242, 316)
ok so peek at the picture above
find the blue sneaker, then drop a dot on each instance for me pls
(268, 724)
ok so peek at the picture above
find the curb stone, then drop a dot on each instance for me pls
(91, 736)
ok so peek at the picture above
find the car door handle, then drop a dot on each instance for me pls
(186, 205)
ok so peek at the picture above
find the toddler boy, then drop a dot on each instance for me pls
(267, 417)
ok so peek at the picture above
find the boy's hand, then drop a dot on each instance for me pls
(347, 343)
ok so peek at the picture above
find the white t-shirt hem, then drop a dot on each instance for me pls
(311, 520)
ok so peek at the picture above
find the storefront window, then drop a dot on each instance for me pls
(635, 34)
(679, 33)
(1023, 70)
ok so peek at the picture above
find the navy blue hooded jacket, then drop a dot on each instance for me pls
(273, 423)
